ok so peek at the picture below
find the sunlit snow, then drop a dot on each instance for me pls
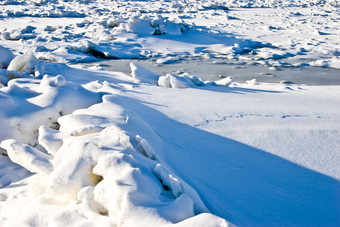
(85, 144)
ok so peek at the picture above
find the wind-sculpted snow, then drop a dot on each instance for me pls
(87, 158)
(120, 176)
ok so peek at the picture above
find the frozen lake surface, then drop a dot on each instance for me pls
(212, 70)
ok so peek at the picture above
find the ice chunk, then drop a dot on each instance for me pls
(203, 220)
(50, 139)
(252, 82)
(143, 75)
(225, 81)
(43, 67)
(28, 157)
(24, 64)
(172, 28)
(52, 81)
(73, 169)
(6, 57)
(140, 26)
(179, 82)
(145, 147)
(164, 81)
(173, 81)
(194, 79)
(332, 63)
(168, 60)
(168, 180)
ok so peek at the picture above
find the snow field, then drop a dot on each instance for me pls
(293, 34)
(87, 147)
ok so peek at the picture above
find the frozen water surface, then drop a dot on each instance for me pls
(212, 70)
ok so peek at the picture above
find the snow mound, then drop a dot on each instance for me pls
(184, 80)
(28, 157)
(6, 57)
(22, 65)
(42, 103)
(19, 34)
(143, 75)
(143, 25)
(145, 147)
(103, 168)
(332, 63)
(252, 82)
(225, 81)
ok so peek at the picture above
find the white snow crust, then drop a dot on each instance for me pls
(87, 147)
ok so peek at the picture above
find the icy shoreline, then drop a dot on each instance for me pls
(214, 70)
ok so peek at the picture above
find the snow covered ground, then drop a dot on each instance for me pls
(82, 146)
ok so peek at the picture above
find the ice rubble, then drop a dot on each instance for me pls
(85, 156)
(157, 26)
(124, 184)
(153, 29)
(42, 102)
(334, 62)
(185, 80)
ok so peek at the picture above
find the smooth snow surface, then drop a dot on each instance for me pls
(82, 146)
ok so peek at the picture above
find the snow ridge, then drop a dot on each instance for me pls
(89, 161)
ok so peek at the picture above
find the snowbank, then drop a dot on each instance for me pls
(124, 184)
(103, 157)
